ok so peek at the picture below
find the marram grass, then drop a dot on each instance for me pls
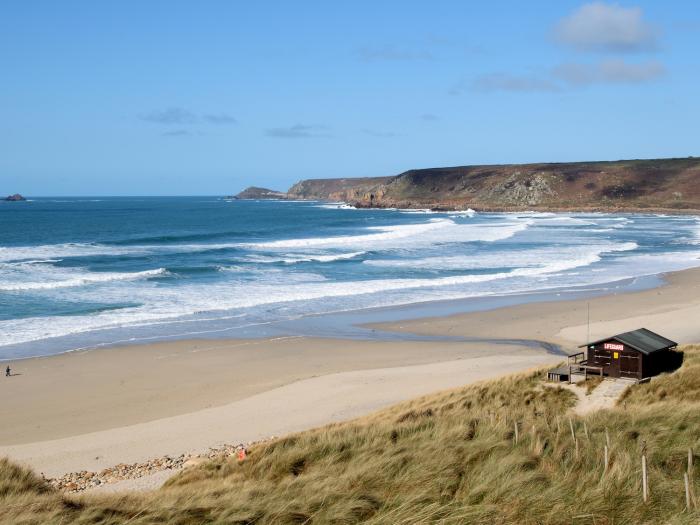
(448, 458)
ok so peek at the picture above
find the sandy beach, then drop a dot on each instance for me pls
(672, 309)
(89, 410)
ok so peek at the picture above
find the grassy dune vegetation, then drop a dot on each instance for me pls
(447, 458)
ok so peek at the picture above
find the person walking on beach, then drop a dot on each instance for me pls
(7, 371)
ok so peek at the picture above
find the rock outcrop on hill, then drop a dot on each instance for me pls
(663, 184)
(347, 190)
(255, 193)
(14, 198)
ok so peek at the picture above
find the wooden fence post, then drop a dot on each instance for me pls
(687, 492)
(645, 480)
(690, 462)
(606, 459)
(690, 493)
(607, 437)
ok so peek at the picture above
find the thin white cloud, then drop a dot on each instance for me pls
(429, 117)
(177, 133)
(298, 131)
(507, 82)
(170, 116)
(379, 133)
(220, 119)
(568, 76)
(392, 53)
(609, 72)
(600, 26)
(177, 116)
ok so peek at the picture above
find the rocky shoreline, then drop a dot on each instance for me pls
(75, 482)
(447, 207)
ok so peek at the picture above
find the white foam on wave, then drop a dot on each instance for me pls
(81, 280)
(55, 251)
(501, 259)
(418, 211)
(50, 252)
(462, 213)
(376, 233)
(335, 206)
(298, 258)
(432, 231)
(30, 261)
(427, 211)
(564, 220)
(697, 231)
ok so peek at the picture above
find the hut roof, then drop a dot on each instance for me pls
(641, 339)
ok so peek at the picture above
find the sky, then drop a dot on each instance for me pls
(209, 97)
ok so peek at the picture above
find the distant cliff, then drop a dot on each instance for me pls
(664, 184)
(253, 192)
(348, 190)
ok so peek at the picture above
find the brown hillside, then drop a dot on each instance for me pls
(671, 184)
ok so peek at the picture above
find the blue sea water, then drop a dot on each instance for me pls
(81, 272)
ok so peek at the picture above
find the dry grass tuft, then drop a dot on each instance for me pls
(448, 458)
(591, 384)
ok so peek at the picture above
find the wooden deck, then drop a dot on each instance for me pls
(577, 364)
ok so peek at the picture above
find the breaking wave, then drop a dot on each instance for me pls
(432, 231)
(83, 280)
(536, 258)
(299, 258)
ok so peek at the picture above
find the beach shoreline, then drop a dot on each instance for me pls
(89, 410)
(572, 322)
(371, 323)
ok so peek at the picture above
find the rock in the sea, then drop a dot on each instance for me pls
(14, 198)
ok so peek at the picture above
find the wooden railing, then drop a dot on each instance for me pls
(577, 358)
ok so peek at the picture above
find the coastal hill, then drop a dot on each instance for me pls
(256, 193)
(670, 184)
(453, 457)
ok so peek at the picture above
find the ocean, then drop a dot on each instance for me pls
(90, 272)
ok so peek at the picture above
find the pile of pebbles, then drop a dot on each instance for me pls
(84, 480)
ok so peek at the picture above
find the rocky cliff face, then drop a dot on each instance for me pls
(672, 184)
(347, 190)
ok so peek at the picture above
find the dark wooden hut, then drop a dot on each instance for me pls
(636, 355)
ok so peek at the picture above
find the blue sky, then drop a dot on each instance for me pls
(178, 98)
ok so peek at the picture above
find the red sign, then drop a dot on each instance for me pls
(613, 346)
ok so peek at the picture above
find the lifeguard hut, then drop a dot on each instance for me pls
(636, 355)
